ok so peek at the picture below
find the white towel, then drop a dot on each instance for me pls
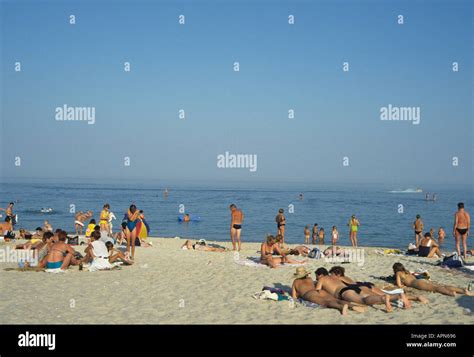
(100, 264)
(255, 262)
(55, 271)
(393, 292)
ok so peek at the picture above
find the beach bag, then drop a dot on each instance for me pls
(453, 261)
(315, 253)
(73, 240)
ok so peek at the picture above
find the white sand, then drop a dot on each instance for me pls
(169, 285)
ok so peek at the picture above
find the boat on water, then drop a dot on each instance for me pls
(408, 190)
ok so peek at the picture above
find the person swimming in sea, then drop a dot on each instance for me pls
(321, 236)
(334, 235)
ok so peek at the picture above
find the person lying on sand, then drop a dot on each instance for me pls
(370, 288)
(428, 247)
(352, 293)
(116, 255)
(24, 234)
(299, 250)
(404, 278)
(268, 248)
(61, 255)
(201, 246)
(303, 287)
(334, 251)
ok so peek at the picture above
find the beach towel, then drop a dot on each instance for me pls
(392, 252)
(453, 261)
(308, 303)
(55, 271)
(255, 262)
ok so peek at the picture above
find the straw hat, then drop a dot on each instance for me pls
(301, 273)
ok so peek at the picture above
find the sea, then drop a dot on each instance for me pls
(386, 213)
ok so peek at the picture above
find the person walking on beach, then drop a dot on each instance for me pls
(353, 228)
(237, 217)
(334, 235)
(281, 222)
(418, 227)
(462, 224)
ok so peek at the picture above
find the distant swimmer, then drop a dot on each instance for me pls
(353, 228)
(418, 227)
(321, 236)
(186, 218)
(301, 197)
(462, 224)
(165, 193)
(237, 217)
(80, 218)
(427, 196)
(334, 235)
(47, 227)
(281, 222)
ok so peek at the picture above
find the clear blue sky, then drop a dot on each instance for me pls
(282, 67)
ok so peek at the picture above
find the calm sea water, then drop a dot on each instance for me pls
(327, 205)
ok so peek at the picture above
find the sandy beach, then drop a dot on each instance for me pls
(168, 285)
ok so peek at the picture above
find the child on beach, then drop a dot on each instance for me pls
(321, 236)
(334, 235)
(306, 235)
(315, 233)
(90, 228)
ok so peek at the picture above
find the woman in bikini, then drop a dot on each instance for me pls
(404, 278)
(201, 246)
(281, 222)
(133, 216)
(268, 248)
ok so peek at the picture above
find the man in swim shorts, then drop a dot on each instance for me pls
(462, 224)
(418, 227)
(237, 217)
(80, 218)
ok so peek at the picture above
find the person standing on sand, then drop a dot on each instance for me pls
(237, 217)
(315, 233)
(462, 224)
(80, 218)
(133, 215)
(353, 228)
(281, 222)
(104, 218)
(306, 234)
(418, 227)
(9, 213)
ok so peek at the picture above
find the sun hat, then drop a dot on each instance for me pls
(301, 273)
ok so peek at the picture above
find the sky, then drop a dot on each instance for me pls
(282, 67)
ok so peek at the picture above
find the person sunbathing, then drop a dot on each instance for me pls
(352, 293)
(370, 288)
(299, 250)
(61, 255)
(267, 250)
(303, 287)
(428, 247)
(116, 255)
(334, 251)
(201, 245)
(404, 278)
